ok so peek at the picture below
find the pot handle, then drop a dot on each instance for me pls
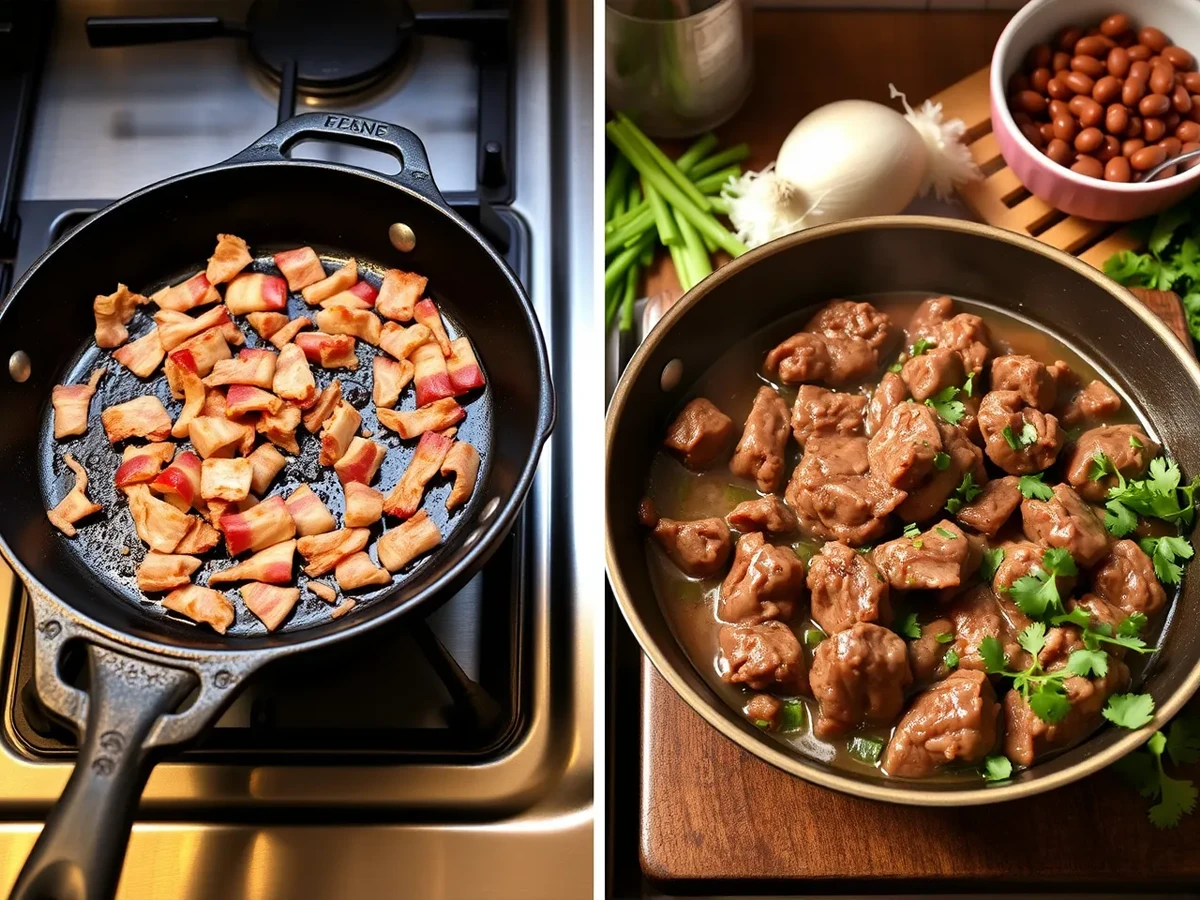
(79, 853)
(341, 128)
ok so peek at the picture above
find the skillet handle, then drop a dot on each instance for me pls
(82, 846)
(340, 128)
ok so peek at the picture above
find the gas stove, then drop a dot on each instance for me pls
(473, 778)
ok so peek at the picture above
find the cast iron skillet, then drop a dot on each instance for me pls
(142, 666)
(1101, 320)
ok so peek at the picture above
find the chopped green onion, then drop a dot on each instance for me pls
(864, 749)
(792, 716)
(668, 234)
(712, 184)
(694, 154)
(615, 185)
(660, 159)
(812, 637)
(725, 158)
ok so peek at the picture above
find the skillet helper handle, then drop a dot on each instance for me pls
(82, 846)
(128, 31)
(339, 128)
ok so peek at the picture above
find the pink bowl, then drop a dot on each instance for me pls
(1037, 22)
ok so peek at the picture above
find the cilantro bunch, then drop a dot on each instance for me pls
(1144, 770)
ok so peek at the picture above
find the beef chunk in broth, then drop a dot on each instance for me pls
(765, 656)
(858, 677)
(941, 557)
(968, 336)
(699, 549)
(961, 456)
(768, 514)
(978, 613)
(996, 503)
(927, 654)
(766, 582)
(835, 497)
(1028, 737)
(763, 710)
(820, 411)
(806, 357)
(955, 721)
(891, 391)
(1024, 375)
(846, 319)
(1020, 559)
(700, 434)
(926, 323)
(1126, 447)
(933, 371)
(1019, 439)
(1124, 578)
(1066, 521)
(845, 587)
(1097, 401)
(902, 451)
(759, 454)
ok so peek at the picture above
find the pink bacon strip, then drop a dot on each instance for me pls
(231, 256)
(241, 399)
(329, 351)
(175, 327)
(389, 378)
(341, 280)
(301, 267)
(201, 604)
(255, 292)
(143, 356)
(430, 376)
(196, 291)
(465, 374)
(399, 294)
(405, 498)
(360, 462)
(293, 378)
(272, 604)
(324, 551)
(437, 416)
(143, 416)
(338, 431)
(270, 566)
(260, 526)
(401, 545)
(426, 312)
(71, 403)
(309, 513)
(142, 464)
(360, 323)
(76, 505)
(203, 351)
(181, 478)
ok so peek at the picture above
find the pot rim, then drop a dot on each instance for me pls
(883, 789)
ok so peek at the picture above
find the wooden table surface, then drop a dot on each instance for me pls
(715, 817)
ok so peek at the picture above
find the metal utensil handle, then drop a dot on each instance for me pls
(1166, 164)
(394, 140)
(79, 853)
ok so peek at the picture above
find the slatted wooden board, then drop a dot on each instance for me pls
(1000, 199)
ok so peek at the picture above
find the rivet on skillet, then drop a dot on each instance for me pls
(50, 629)
(672, 374)
(19, 366)
(223, 679)
(402, 237)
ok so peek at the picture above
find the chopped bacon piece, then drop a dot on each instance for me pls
(143, 356)
(270, 566)
(75, 505)
(280, 427)
(329, 351)
(338, 431)
(293, 378)
(225, 479)
(465, 374)
(194, 400)
(449, 432)
(342, 608)
(360, 462)
(196, 291)
(266, 324)
(309, 513)
(201, 604)
(431, 377)
(405, 497)
(267, 462)
(215, 404)
(399, 294)
(256, 292)
(231, 256)
(175, 327)
(181, 478)
(230, 331)
(301, 267)
(437, 416)
(324, 406)
(324, 591)
(400, 342)
(199, 354)
(216, 436)
(165, 571)
(260, 526)
(364, 505)
(288, 332)
(270, 603)
(360, 323)
(390, 378)
(462, 461)
(359, 570)
(340, 280)
(143, 463)
(113, 313)
(253, 367)
(401, 545)
(143, 416)
(361, 296)
(242, 399)
(324, 551)
(426, 312)
(201, 537)
(158, 523)
(71, 402)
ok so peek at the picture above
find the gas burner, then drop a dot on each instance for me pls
(335, 48)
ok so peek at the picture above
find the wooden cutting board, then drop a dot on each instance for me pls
(715, 817)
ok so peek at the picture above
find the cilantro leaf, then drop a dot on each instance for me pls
(1009, 438)
(992, 655)
(1119, 520)
(1164, 551)
(908, 626)
(941, 461)
(1033, 486)
(966, 492)
(944, 404)
(919, 347)
(968, 387)
(1134, 442)
(896, 367)
(943, 637)
(1028, 435)
(951, 659)
(1101, 466)
(1132, 625)
(1183, 739)
(992, 557)
(1088, 663)
(792, 716)
(1079, 616)
(1032, 638)
(1165, 227)
(1129, 710)
(1037, 593)
(1178, 800)
(997, 768)
(1058, 561)
(1049, 702)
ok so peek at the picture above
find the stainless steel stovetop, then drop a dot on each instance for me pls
(359, 806)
